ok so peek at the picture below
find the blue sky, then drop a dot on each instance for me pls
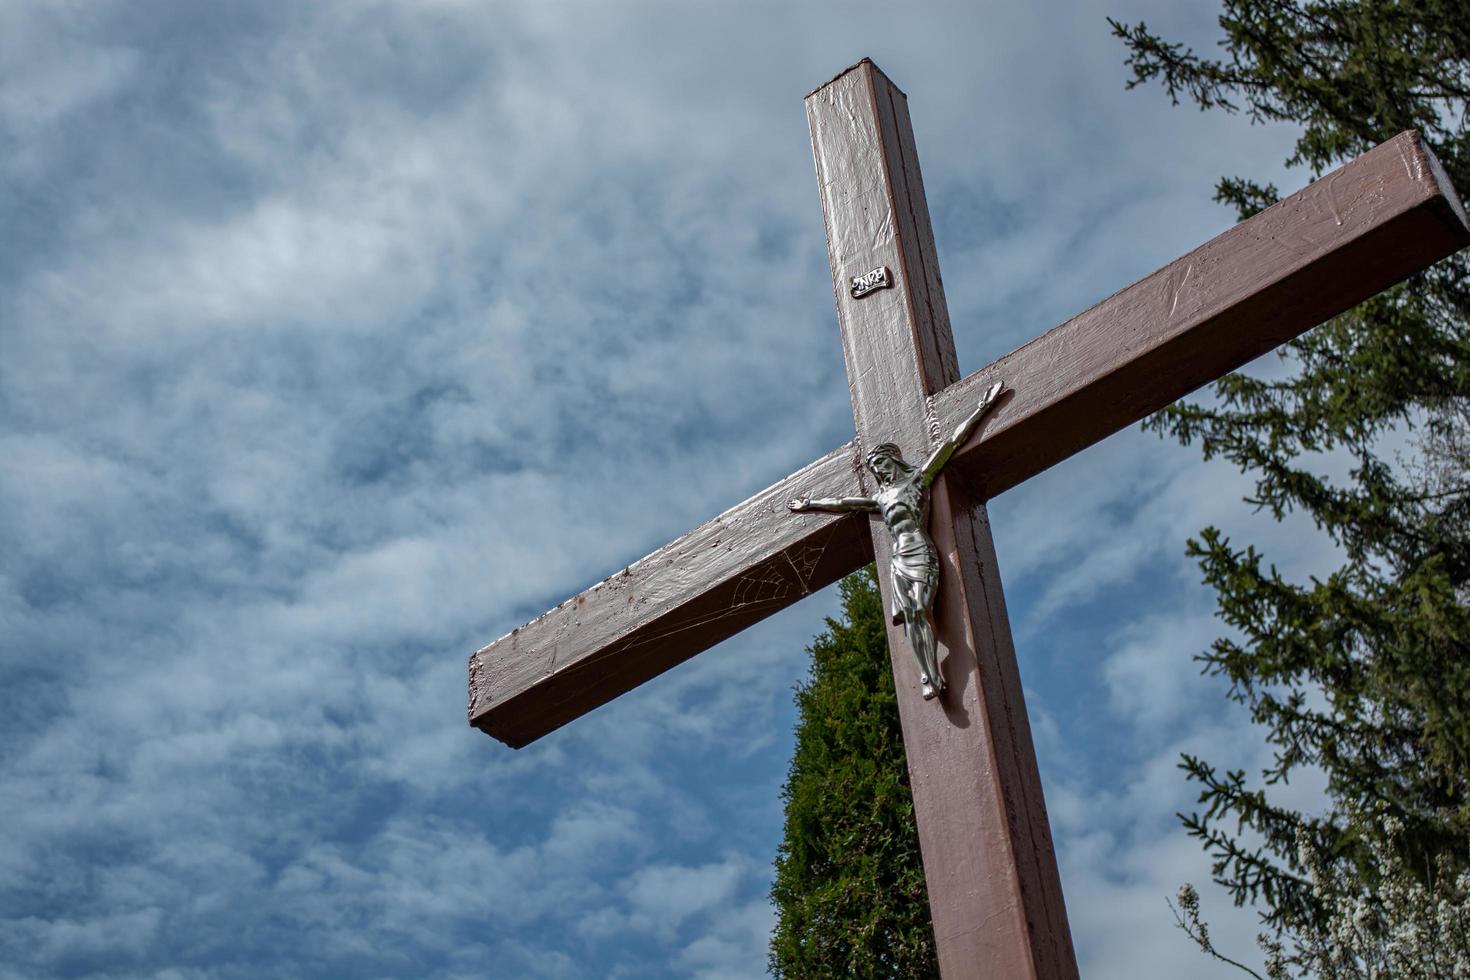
(337, 340)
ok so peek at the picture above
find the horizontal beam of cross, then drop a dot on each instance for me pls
(1354, 232)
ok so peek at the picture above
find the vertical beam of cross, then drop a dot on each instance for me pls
(994, 892)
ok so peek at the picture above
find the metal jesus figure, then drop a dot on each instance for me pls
(903, 501)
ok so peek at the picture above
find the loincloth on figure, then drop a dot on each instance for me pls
(914, 562)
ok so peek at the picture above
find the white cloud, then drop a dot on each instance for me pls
(1122, 855)
(128, 933)
(662, 897)
(734, 946)
(1153, 678)
(51, 74)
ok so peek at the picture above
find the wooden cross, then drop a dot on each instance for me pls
(994, 893)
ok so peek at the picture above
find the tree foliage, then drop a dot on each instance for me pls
(1408, 926)
(849, 885)
(1364, 673)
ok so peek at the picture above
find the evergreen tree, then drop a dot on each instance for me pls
(1365, 673)
(849, 886)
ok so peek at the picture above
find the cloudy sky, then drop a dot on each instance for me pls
(338, 339)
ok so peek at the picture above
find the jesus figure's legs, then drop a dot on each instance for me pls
(921, 638)
(920, 631)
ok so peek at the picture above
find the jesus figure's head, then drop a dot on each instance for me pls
(886, 462)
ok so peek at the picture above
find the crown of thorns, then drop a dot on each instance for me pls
(884, 450)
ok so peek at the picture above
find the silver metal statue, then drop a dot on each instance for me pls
(903, 500)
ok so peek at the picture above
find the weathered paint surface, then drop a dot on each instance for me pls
(711, 583)
(1356, 231)
(1345, 237)
(994, 894)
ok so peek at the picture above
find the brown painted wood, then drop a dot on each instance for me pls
(994, 893)
(713, 582)
(1319, 252)
(1358, 230)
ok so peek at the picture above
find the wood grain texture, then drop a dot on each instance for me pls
(1311, 256)
(729, 573)
(994, 893)
(1356, 231)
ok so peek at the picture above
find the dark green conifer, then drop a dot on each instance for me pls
(849, 887)
(1365, 672)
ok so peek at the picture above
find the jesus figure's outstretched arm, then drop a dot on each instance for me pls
(946, 449)
(836, 505)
